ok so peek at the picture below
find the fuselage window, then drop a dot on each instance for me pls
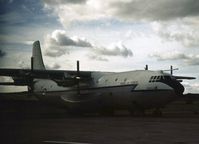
(116, 79)
(125, 79)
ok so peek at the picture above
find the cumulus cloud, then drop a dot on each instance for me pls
(189, 59)
(60, 38)
(115, 49)
(58, 44)
(2, 53)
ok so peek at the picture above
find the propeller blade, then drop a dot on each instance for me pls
(78, 78)
(31, 83)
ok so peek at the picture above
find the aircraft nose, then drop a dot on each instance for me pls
(176, 85)
(179, 88)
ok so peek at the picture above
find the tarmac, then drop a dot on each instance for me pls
(178, 125)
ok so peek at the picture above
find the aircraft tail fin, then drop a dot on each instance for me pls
(37, 56)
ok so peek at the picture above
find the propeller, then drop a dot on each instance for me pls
(30, 77)
(171, 69)
(78, 78)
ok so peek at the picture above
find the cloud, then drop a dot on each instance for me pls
(184, 31)
(193, 60)
(174, 20)
(56, 52)
(53, 66)
(2, 53)
(155, 10)
(115, 49)
(58, 2)
(171, 20)
(132, 10)
(58, 44)
(170, 56)
(191, 87)
(23, 64)
(188, 59)
(96, 57)
(60, 38)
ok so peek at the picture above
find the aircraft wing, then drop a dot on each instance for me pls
(184, 77)
(23, 76)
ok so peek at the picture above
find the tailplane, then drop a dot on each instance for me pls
(37, 57)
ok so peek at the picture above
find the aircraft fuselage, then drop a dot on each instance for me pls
(125, 90)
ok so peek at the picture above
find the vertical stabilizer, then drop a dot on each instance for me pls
(37, 57)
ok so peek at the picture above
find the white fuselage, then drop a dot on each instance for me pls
(133, 89)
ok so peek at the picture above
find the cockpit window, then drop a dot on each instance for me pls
(156, 78)
(151, 79)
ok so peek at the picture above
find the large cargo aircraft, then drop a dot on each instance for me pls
(92, 91)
